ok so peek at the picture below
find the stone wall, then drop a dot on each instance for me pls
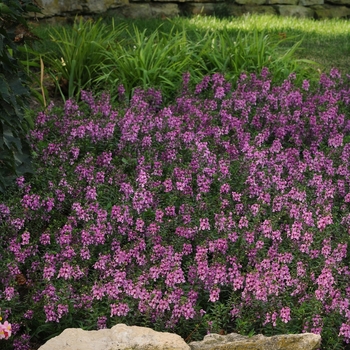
(319, 9)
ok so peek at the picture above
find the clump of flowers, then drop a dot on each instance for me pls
(226, 210)
(5, 329)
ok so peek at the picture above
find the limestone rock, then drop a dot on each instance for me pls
(119, 337)
(328, 11)
(59, 7)
(164, 10)
(51, 8)
(140, 10)
(283, 2)
(311, 2)
(251, 2)
(233, 341)
(295, 11)
(266, 10)
(205, 9)
(339, 2)
(170, 8)
(236, 10)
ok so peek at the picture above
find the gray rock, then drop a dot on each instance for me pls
(251, 2)
(206, 9)
(164, 10)
(266, 10)
(328, 11)
(311, 2)
(233, 341)
(295, 11)
(170, 8)
(339, 2)
(236, 10)
(139, 10)
(54, 7)
(283, 2)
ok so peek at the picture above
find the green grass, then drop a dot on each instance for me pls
(284, 44)
(326, 42)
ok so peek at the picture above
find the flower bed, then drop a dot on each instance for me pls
(227, 210)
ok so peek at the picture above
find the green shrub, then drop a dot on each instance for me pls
(97, 55)
(81, 52)
(14, 151)
(145, 60)
(158, 59)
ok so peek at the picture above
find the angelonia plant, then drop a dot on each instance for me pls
(227, 210)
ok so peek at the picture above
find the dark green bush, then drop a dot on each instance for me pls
(14, 150)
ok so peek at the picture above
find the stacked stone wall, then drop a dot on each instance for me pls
(318, 9)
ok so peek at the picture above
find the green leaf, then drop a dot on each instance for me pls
(17, 87)
(4, 9)
(9, 139)
(4, 89)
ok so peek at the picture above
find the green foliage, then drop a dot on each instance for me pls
(157, 60)
(103, 56)
(230, 54)
(323, 42)
(79, 53)
(14, 150)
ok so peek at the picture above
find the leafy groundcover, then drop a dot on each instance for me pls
(227, 210)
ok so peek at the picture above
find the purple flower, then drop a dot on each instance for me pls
(102, 322)
(121, 309)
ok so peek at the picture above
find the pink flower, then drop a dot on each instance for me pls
(25, 238)
(285, 314)
(214, 295)
(121, 309)
(5, 330)
(204, 224)
(345, 332)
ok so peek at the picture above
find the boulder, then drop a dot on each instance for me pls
(233, 341)
(123, 337)
(119, 337)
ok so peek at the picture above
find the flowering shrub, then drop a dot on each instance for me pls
(228, 210)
